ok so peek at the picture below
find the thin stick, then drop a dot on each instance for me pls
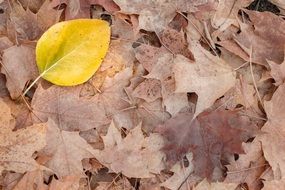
(199, 33)
(254, 82)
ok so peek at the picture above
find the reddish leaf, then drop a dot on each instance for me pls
(210, 136)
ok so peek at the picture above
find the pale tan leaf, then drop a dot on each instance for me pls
(135, 155)
(209, 77)
(31, 180)
(205, 185)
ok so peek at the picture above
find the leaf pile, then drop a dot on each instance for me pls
(188, 96)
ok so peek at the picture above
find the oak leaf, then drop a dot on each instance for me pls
(205, 185)
(30, 180)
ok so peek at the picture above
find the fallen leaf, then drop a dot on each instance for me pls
(84, 41)
(208, 75)
(277, 71)
(249, 167)
(149, 90)
(62, 105)
(19, 68)
(25, 22)
(205, 185)
(273, 138)
(135, 155)
(274, 184)
(30, 180)
(155, 15)
(66, 151)
(209, 137)
(17, 147)
(66, 183)
(227, 13)
(266, 44)
(181, 173)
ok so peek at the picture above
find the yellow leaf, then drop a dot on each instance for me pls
(70, 52)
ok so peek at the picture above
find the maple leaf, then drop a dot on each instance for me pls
(17, 147)
(135, 155)
(227, 12)
(156, 15)
(205, 185)
(66, 151)
(238, 171)
(19, 67)
(273, 139)
(209, 137)
(274, 184)
(210, 77)
(30, 180)
(266, 44)
(181, 173)
(63, 105)
(149, 90)
(66, 183)
(81, 8)
(277, 71)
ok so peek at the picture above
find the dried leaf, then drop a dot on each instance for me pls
(209, 137)
(135, 155)
(19, 68)
(277, 71)
(205, 185)
(66, 151)
(63, 105)
(209, 75)
(17, 147)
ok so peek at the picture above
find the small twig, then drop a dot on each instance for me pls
(196, 28)
(254, 82)
(239, 67)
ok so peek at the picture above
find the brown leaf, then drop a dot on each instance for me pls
(149, 90)
(273, 139)
(277, 71)
(267, 44)
(19, 67)
(66, 150)
(18, 147)
(156, 15)
(135, 155)
(227, 12)
(66, 183)
(30, 180)
(205, 185)
(248, 168)
(209, 77)
(25, 22)
(63, 105)
(274, 184)
(209, 137)
(176, 42)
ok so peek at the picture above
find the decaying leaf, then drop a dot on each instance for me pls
(66, 151)
(210, 136)
(277, 71)
(266, 44)
(17, 147)
(63, 105)
(135, 155)
(205, 185)
(19, 68)
(30, 180)
(273, 139)
(248, 168)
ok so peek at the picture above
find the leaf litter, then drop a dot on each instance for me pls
(189, 96)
